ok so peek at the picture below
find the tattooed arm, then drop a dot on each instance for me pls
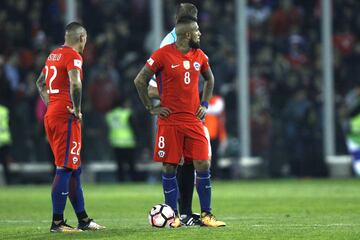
(207, 92)
(41, 86)
(141, 85)
(141, 81)
(75, 92)
(209, 82)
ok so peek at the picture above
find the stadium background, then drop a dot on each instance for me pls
(285, 75)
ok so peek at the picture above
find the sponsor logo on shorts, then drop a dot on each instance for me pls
(75, 160)
(197, 66)
(161, 154)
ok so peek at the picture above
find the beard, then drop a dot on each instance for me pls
(193, 44)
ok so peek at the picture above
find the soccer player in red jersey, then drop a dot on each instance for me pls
(180, 131)
(184, 172)
(59, 85)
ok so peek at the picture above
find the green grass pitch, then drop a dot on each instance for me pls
(281, 209)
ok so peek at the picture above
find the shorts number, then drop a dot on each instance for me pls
(52, 78)
(187, 77)
(161, 143)
(75, 150)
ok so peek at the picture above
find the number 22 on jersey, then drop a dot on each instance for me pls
(52, 78)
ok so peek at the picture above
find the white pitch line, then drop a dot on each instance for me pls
(306, 226)
(298, 226)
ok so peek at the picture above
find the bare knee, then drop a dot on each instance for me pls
(202, 165)
(168, 168)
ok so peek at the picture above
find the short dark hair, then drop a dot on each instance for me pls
(73, 26)
(186, 10)
(185, 20)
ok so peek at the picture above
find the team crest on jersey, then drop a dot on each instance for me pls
(75, 160)
(197, 66)
(186, 65)
(161, 154)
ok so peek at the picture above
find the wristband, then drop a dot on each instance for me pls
(205, 104)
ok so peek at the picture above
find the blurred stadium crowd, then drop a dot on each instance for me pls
(285, 73)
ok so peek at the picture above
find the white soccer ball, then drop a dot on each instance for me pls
(161, 215)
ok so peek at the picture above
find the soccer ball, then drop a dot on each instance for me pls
(161, 215)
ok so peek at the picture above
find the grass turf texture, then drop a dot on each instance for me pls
(283, 209)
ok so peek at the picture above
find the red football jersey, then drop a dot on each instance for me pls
(177, 78)
(58, 63)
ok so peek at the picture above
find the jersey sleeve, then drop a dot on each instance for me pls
(169, 38)
(205, 62)
(74, 61)
(154, 63)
